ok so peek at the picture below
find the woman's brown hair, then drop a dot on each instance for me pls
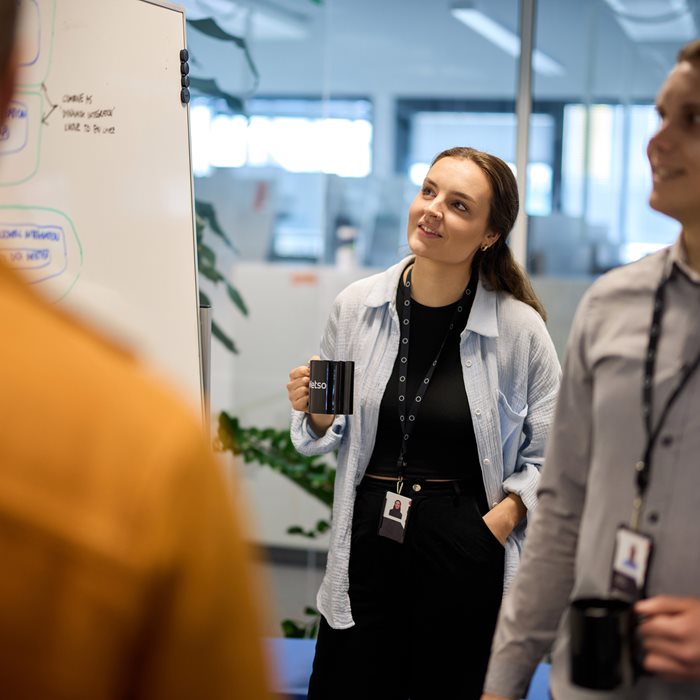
(498, 270)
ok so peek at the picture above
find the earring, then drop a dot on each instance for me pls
(484, 248)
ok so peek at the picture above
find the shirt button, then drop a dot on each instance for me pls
(494, 504)
(666, 440)
(478, 412)
(468, 363)
(487, 461)
(653, 517)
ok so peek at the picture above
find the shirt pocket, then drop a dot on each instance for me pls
(511, 426)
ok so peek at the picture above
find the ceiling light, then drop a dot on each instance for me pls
(503, 38)
(655, 20)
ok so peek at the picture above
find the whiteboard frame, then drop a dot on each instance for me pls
(204, 410)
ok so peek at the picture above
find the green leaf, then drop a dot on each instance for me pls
(210, 273)
(293, 630)
(206, 255)
(207, 215)
(223, 338)
(236, 298)
(209, 86)
(212, 29)
(204, 299)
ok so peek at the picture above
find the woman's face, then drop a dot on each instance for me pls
(448, 219)
(674, 150)
(397, 505)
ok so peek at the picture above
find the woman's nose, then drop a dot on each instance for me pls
(433, 209)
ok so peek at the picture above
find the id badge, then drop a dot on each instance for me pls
(394, 516)
(630, 566)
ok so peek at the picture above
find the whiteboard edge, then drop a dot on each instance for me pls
(203, 401)
(167, 5)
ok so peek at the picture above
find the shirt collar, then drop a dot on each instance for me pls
(482, 318)
(678, 258)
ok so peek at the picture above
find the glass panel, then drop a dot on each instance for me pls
(614, 55)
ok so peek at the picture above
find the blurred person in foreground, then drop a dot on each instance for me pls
(625, 446)
(124, 570)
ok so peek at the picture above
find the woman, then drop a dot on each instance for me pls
(456, 381)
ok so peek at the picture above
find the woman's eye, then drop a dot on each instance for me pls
(461, 206)
(427, 190)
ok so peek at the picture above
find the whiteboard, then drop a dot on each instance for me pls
(96, 198)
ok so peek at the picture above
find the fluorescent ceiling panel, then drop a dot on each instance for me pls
(505, 39)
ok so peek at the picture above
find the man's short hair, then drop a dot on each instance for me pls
(690, 52)
(8, 17)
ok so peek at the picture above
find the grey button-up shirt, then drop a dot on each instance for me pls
(588, 482)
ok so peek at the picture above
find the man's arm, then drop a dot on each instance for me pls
(533, 607)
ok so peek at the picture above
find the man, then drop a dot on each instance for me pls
(124, 571)
(618, 455)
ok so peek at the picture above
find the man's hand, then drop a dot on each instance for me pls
(670, 629)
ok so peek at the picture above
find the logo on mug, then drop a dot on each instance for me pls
(317, 385)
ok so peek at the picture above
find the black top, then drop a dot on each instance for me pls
(443, 445)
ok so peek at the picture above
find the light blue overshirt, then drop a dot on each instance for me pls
(511, 376)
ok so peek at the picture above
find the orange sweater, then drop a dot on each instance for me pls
(124, 574)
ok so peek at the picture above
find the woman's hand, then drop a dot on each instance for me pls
(298, 393)
(298, 387)
(503, 518)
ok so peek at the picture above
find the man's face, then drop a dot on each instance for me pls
(674, 150)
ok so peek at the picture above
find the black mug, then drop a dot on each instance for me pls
(331, 386)
(603, 645)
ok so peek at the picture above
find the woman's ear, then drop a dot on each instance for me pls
(489, 239)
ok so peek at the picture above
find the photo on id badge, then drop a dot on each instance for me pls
(394, 516)
(630, 563)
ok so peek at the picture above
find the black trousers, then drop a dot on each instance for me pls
(424, 611)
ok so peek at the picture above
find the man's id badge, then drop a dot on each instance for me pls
(630, 563)
(394, 516)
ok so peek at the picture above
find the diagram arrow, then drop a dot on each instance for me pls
(44, 119)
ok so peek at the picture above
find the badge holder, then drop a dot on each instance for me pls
(630, 567)
(394, 516)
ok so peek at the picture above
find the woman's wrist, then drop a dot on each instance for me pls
(513, 509)
(320, 422)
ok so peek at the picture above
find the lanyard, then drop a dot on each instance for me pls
(643, 466)
(407, 414)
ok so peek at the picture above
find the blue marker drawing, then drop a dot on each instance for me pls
(37, 19)
(30, 32)
(15, 133)
(43, 244)
(40, 250)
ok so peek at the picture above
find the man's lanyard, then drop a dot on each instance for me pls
(407, 415)
(643, 467)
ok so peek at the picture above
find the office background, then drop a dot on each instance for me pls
(331, 111)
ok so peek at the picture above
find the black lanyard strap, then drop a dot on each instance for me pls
(643, 467)
(407, 413)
